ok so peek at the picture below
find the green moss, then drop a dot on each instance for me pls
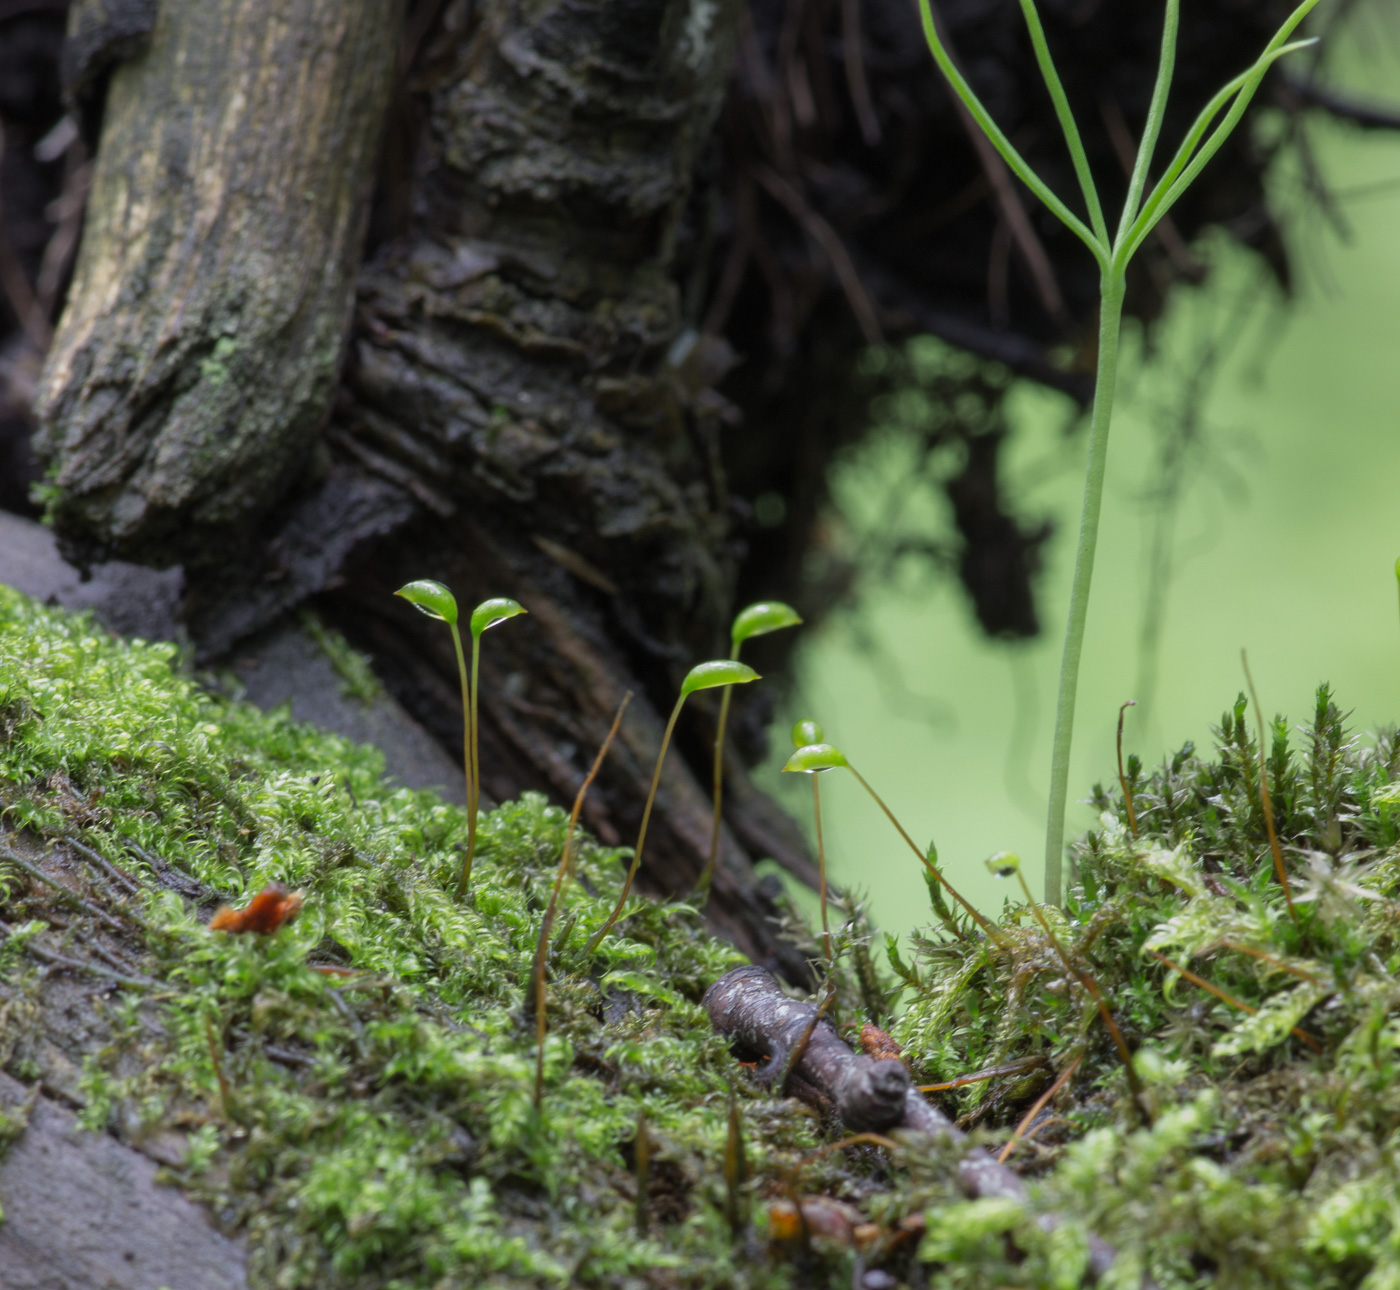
(377, 1129)
(1266, 1164)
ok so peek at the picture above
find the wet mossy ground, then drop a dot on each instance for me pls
(355, 1092)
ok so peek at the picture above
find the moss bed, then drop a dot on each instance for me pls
(354, 1093)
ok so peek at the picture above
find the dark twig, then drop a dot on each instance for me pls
(68, 898)
(821, 232)
(80, 965)
(853, 55)
(1338, 103)
(872, 1096)
(107, 867)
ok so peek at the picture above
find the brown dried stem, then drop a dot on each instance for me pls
(1264, 799)
(547, 923)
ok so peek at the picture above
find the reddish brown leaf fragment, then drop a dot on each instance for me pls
(273, 907)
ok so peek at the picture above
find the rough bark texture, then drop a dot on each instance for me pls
(204, 329)
(516, 371)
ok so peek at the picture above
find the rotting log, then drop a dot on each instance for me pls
(867, 1094)
(196, 359)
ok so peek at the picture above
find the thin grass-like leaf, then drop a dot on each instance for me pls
(1156, 113)
(1066, 118)
(1003, 145)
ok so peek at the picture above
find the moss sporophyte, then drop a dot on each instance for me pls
(1140, 215)
(703, 676)
(435, 600)
(756, 620)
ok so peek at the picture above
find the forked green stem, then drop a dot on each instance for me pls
(1139, 217)
(596, 939)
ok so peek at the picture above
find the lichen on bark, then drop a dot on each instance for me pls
(196, 358)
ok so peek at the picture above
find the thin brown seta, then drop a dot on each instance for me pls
(547, 924)
(1230, 998)
(1087, 981)
(924, 860)
(1040, 1104)
(1019, 1067)
(736, 1169)
(216, 1058)
(1240, 948)
(1264, 799)
(1122, 778)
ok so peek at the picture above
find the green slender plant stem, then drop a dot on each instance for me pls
(1110, 327)
(473, 759)
(466, 725)
(821, 875)
(1138, 219)
(707, 876)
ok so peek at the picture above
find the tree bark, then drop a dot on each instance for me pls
(197, 355)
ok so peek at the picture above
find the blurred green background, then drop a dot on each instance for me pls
(1284, 542)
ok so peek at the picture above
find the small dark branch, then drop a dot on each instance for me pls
(826, 237)
(79, 965)
(1338, 103)
(854, 57)
(760, 1021)
(67, 897)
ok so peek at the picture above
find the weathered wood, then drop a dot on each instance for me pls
(197, 356)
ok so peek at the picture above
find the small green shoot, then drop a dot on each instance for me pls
(1140, 216)
(818, 757)
(537, 973)
(757, 620)
(703, 676)
(805, 734)
(1006, 864)
(435, 600)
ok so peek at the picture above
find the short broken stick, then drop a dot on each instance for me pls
(870, 1095)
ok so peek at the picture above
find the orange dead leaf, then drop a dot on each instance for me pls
(273, 907)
